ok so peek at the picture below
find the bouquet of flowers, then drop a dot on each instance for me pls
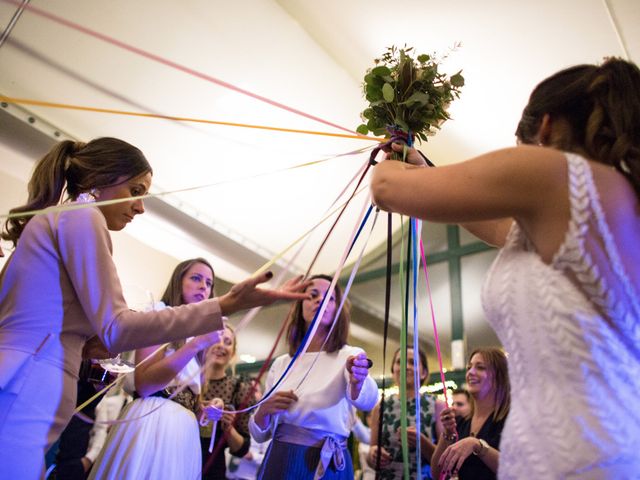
(408, 97)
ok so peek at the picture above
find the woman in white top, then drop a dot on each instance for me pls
(160, 437)
(563, 292)
(312, 419)
(61, 298)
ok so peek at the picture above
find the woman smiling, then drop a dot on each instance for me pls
(469, 445)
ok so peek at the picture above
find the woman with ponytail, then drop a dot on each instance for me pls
(563, 295)
(61, 299)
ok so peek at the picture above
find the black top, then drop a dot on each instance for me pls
(473, 468)
(74, 439)
(236, 394)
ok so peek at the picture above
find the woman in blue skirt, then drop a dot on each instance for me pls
(309, 417)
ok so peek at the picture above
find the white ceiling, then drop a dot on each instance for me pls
(308, 55)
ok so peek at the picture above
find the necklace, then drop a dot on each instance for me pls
(479, 422)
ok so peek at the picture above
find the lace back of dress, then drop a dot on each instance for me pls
(592, 257)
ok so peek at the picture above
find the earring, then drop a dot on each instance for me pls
(90, 196)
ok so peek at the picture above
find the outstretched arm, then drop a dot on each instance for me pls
(524, 183)
(246, 294)
(492, 232)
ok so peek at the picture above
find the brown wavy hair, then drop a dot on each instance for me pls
(600, 108)
(297, 328)
(496, 361)
(76, 167)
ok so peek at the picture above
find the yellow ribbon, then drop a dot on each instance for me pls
(66, 106)
(76, 206)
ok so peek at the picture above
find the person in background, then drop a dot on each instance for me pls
(468, 446)
(461, 402)
(312, 414)
(80, 310)
(74, 451)
(367, 473)
(107, 410)
(389, 445)
(231, 391)
(563, 293)
(246, 468)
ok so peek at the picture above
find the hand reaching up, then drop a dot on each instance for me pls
(202, 342)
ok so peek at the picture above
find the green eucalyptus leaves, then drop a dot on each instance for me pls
(407, 94)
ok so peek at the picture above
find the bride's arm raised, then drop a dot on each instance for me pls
(525, 183)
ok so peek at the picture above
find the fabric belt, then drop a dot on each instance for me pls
(186, 397)
(159, 393)
(330, 444)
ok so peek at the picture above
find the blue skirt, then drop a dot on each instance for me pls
(289, 461)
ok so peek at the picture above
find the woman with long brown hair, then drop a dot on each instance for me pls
(159, 436)
(311, 415)
(61, 298)
(390, 443)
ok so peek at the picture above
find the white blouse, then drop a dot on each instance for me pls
(324, 400)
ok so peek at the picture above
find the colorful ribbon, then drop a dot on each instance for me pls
(171, 64)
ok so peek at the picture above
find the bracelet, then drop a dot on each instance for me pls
(483, 447)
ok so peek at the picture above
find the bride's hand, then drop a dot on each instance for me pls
(412, 157)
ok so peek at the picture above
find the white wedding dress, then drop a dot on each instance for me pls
(158, 439)
(572, 332)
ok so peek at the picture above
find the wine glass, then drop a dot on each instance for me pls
(116, 365)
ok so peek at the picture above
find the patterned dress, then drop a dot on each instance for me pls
(236, 393)
(390, 440)
(572, 330)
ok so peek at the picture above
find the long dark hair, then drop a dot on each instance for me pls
(172, 296)
(76, 167)
(297, 326)
(601, 108)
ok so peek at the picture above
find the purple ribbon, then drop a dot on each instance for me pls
(395, 135)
